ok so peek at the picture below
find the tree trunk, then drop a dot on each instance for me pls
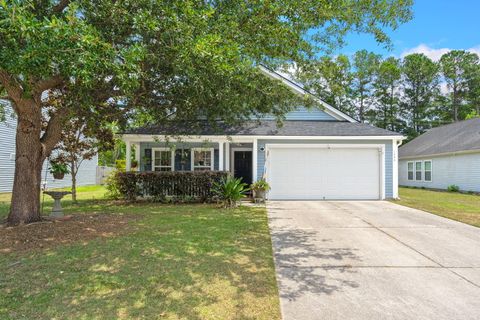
(455, 103)
(73, 173)
(29, 157)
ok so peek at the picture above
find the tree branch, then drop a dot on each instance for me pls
(53, 132)
(61, 6)
(12, 87)
(51, 83)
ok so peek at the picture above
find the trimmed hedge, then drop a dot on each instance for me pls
(161, 185)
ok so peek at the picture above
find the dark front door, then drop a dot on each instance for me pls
(242, 164)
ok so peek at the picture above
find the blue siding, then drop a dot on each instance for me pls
(7, 152)
(86, 174)
(302, 113)
(462, 170)
(177, 146)
(388, 156)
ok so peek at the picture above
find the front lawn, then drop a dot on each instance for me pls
(86, 195)
(161, 262)
(457, 206)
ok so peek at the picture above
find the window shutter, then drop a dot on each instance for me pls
(147, 166)
(182, 160)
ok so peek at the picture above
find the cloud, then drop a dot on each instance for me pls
(475, 50)
(433, 53)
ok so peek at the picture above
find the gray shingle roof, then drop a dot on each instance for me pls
(454, 137)
(266, 128)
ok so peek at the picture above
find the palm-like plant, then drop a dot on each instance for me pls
(230, 191)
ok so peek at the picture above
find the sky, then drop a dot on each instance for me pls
(437, 27)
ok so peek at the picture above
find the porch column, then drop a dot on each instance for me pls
(137, 155)
(227, 156)
(254, 160)
(128, 156)
(220, 155)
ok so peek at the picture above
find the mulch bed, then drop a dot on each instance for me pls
(72, 229)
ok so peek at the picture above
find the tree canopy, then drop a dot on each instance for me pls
(408, 95)
(108, 60)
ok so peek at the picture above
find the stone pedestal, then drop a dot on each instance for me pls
(57, 211)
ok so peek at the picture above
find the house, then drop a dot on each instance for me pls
(443, 156)
(320, 153)
(85, 176)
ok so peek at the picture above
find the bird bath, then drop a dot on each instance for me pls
(57, 211)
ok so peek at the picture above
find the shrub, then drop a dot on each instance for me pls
(163, 186)
(120, 165)
(260, 185)
(112, 185)
(453, 188)
(230, 191)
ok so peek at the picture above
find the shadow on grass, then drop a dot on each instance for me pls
(191, 262)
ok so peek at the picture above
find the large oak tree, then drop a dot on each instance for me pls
(179, 58)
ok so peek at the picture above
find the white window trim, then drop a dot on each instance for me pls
(431, 170)
(172, 161)
(413, 170)
(192, 158)
(421, 171)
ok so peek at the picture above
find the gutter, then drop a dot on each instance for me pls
(451, 153)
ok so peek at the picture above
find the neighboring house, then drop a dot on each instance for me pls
(316, 154)
(443, 156)
(85, 176)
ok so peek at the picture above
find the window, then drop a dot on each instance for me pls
(418, 171)
(410, 171)
(427, 174)
(163, 159)
(202, 159)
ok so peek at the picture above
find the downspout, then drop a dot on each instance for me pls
(396, 168)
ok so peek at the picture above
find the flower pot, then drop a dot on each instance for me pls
(58, 175)
(259, 195)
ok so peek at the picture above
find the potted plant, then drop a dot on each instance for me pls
(58, 170)
(134, 164)
(260, 188)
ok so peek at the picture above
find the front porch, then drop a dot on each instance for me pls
(234, 154)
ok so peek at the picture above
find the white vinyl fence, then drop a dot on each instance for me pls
(102, 174)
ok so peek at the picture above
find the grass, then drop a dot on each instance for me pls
(86, 195)
(457, 206)
(179, 262)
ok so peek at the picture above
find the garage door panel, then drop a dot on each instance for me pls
(321, 173)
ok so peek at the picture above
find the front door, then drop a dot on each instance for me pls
(242, 165)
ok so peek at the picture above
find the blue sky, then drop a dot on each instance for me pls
(437, 26)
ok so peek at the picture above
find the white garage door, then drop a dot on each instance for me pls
(323, 173)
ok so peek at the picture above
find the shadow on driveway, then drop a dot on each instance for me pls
(294, 248)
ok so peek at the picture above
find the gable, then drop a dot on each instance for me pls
(298, 89)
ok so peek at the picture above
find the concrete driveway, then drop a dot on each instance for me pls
(373, 260)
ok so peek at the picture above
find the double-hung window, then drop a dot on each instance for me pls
(418, 170)
(410, 171)
(163, 159)
(427, 167)
(202, 159)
